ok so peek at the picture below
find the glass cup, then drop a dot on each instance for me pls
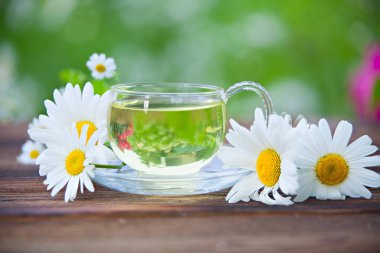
(171, 128)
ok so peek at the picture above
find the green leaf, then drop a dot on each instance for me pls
(376, 93)
(73, 76)
(100, 86)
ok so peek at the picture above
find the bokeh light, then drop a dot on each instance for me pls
(303, 52)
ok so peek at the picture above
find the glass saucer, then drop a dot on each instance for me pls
(211, 178)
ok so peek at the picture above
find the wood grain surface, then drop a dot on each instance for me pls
(110, 221)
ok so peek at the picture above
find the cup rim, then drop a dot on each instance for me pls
(208, 89)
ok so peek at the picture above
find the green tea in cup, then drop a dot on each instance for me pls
(168, 129)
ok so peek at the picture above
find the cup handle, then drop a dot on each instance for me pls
(252, 86)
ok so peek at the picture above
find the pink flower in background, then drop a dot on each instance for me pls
(363, 85)
(377, 115)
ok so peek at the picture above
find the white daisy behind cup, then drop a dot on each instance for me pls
(332, 169)
(101, 67)
(30, 151)
(269, 151)
(70, 162)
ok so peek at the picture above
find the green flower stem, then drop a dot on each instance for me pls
(107, 166)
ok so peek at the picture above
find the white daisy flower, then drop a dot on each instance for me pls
(78, 108)
(30, 151)
(70, 162)
(329, 169)
(101, 67)
(269, 150)
(72, 106)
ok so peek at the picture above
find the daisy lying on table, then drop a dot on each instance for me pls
(304, 160)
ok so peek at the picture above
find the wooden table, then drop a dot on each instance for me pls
(109, 221)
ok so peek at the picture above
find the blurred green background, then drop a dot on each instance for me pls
(303, 52)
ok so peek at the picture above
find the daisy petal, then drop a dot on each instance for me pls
(354, 189)
(286, 201)
(81, 183)
(305, 191)
(360, 142)
(243, 188)
(321, 192)
(69, 189)
(325, 131)
(360, 152)
(370, 161)
(288, 184)
(265, 198)
(259, 115)
(59, 186)
(333, 193)
(366, 177)
(341, 137)
(234, 158)
(87, 182)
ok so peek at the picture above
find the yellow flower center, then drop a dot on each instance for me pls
(91, 128)
(100, 68)
(34, 154)
(74, 162)
(331, 169)
(268, 167)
